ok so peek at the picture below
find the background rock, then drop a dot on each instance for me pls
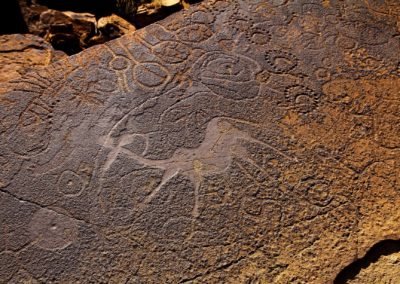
(68, 31)
(112, 27)
(22, 53)
(11, 19)
(385, 270)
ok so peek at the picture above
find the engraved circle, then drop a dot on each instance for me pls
(172, 52)
(70, 183)
(229, 76)
(317, 192)
(120, 63)
(302, 98)
(150, 75)
(194, 33)
(258, 36)
(280, 61)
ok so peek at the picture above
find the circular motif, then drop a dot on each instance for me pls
(90, 86)
(52, 230)
(194, 33)
(229, 76)
(172, 52)
(201, 17)
(302, 98)
(101, 80)
(150, 75)
(280, 61)
(258, 36)
(240, 22)
(322, 74)
(104, 86)
(30, 140)
(120, 63)
(70, 183)
(317, 192)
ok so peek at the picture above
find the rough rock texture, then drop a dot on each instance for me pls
(21, 53)
(386, 270)
(379, 265)
(237, 142)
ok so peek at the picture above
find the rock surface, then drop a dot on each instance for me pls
(112, 27)
(237, 142)
(379, 265)
(386, 270)
(21, 53)
(68, 31)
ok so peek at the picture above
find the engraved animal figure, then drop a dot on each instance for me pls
(214, 155)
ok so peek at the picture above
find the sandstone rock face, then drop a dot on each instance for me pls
(379, 265)
(21, 53)
(237, 142)
(386, 270)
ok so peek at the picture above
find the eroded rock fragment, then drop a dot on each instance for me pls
(20, 54)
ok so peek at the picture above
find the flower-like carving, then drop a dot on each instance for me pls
(302, 98)
(317, 192)
(91, 87)
(172, 52)
(230, 76)
(194, 33)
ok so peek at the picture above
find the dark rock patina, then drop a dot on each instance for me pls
(236, 142)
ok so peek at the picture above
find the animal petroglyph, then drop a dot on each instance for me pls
(222, 142)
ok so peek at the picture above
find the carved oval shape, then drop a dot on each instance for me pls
(172, 52)
(303, 99)
(194, 33)
(30, 140)
(150, 75)
(70, 183)
(229, 76)
(280, 61)
(120, 63)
